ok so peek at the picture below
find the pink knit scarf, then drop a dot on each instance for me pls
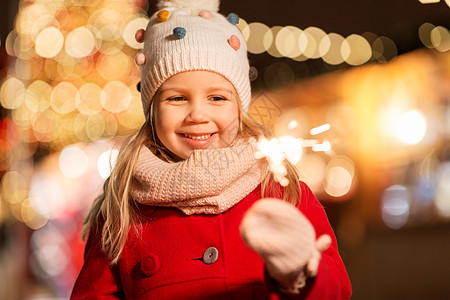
(210, 181)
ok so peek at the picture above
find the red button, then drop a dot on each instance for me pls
(150, 264)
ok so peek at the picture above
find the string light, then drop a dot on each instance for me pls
(313, 43)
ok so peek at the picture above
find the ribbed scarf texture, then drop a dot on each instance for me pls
(210, 181)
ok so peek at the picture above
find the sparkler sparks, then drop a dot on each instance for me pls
(319, 129)
(276, 150)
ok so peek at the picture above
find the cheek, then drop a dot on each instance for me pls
(160, 131)
(231, 117)
(163, 126)
(229, 123)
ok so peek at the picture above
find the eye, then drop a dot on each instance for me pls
(218, 98)
(176, 99)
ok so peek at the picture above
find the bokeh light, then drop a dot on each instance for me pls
(425, 34)
(442, 202)
(114, 66)
(23, 116)
(106, 162)
(313, 42)
(108, 22)
(111, 126)
(243, 27)
(130, 30)
(384, 49)
(309, 41)
(116, 97)
(95, 126)
(24, 47)
(260, 38)
(395, 206)
(440, 38)
(14, 187)
(63, 98)
(10, 42)
(307, 44)
(339, 174)
(28, 69)
(12, 93)
(79, 127)
(411, 127)
(65, 58)
(27, 16)
(88, 98)
(356, 50)
(272, 34)
(292, 124)
(34, 215)
(47, 126)
(49, 42)
(80, 42)
(287, 41)
(43, 22)
(73, 162)
(38, 96)
(330, 49)
(133, 117)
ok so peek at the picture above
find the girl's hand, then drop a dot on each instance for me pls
(285, 240)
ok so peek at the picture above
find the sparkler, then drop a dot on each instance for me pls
(276, 150)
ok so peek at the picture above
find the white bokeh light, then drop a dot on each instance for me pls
(49, 42)
(442, 201)
(395, 206)
(106, 162)
(80, 42)
(410, 127)
(73, 162)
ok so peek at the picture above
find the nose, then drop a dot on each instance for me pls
(197, 113)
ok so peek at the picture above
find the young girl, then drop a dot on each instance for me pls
(182, 214)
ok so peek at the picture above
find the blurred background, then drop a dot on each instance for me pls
(366, 83)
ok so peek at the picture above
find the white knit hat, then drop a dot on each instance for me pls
(191, 35)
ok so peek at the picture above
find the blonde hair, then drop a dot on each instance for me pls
(113, 211)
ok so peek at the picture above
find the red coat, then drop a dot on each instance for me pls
(167, 260)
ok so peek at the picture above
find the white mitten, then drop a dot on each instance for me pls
(285, 240)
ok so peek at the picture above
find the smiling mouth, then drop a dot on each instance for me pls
(197, 137)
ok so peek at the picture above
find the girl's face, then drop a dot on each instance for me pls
(196, 110)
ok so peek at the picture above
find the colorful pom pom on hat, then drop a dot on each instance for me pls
(190, 35)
